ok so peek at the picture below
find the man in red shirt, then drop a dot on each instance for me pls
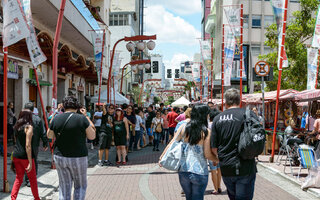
(172, 122)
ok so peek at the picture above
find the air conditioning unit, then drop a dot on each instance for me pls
(40, 75)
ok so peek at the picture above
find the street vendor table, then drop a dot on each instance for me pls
(268, 145)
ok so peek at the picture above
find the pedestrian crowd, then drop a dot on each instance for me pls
(209, 141)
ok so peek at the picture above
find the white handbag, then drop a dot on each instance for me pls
(171, 160)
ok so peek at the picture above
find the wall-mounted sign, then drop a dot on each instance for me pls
(12, 69)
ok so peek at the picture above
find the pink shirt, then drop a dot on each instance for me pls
(181, 117)
(317, 125)
(165, 122)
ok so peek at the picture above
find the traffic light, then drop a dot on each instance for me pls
(169, 73)
(176, 73)
(155, 67)
(148, 70)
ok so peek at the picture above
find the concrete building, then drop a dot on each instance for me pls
(257, 16)
(124, 20)
(76, 68)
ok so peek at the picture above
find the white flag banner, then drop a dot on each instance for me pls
(229, 48)
(205, 48)
(312, 68)
(278, 11)
(15, 26)
(234, 21)
(36, 55)
(316, 34)
(97, 39)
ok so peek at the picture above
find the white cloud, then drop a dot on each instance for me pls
(170, 28)
(181, 7)
(176, 60)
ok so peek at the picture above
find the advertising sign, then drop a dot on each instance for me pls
(316, 34)
(278, 11)
(15, 27)
(229, 48)
(97, 39)
(36, 55)
(312, 68)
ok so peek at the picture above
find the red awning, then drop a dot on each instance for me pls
(308, 95)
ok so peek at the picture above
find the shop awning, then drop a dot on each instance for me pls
(41, 82)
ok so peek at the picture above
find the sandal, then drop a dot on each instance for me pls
(124, 163)
(118, 162)
(215, 192)
(219, 190)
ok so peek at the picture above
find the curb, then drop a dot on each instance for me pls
(312, 191)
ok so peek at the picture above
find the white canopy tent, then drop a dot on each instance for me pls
(120, 99)
(182, 101)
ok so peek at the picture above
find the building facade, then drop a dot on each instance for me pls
(76, 68)
(124, 21)
(257, 16)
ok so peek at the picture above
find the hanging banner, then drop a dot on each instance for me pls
(15, 26)
(229, 48)
(36, 55)
(312, 68)
(278, 11)
(234, 21)
(97, 39)
(316, 34)
(205, 48)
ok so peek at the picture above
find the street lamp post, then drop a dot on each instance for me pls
(134, 62)
(150, 46)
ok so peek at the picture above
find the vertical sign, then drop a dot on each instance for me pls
(15, 27)
(36, 55)
(312, 68)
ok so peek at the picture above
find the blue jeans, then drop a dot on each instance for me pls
(141, 138)
(156, 139)
(136, 139)
(166, 135)
(193, 185)
(240, 187)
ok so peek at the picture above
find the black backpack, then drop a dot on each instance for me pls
(252, 139)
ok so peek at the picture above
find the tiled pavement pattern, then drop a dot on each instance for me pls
(143, 179)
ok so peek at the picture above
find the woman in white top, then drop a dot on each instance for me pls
(157, 125)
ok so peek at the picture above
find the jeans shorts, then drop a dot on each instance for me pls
(150, 131)
(213, 167)
(105, 140)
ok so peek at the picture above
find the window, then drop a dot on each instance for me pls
(245, 21)
(256, 21)
(255, 50)
(119, 20)
(176, 73)
(169, 75)
(155, 67)
(268, 20)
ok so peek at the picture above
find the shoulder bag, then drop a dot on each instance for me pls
(171, 160)
(59, 133)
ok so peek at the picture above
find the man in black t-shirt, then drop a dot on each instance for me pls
(238, 175)
(106, 130)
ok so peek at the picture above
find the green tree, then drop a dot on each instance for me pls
(188, 87)
(170, 100)
(299, 31)
(156, 100)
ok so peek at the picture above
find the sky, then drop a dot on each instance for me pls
(177, 24)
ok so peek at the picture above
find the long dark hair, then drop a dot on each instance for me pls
(198, 124)
(25, 118)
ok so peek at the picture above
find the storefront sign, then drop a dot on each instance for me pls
(12, 69)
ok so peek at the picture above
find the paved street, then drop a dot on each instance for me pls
(142, 178)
